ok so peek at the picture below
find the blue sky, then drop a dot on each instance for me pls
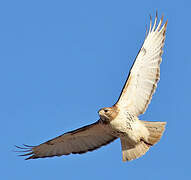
(61, 61)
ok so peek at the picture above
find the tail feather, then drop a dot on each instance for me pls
(132, 151)
(156, 130)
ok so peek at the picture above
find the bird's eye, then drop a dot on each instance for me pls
(106, 110)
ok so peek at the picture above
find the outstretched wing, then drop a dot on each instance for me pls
(145, 72)
(87, 138)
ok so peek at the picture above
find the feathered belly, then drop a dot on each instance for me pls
(126, 125)
(121, 128)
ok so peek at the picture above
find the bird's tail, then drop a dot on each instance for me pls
(131, 152)
(156, 130)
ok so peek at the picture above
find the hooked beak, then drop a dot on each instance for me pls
(103, 118)
(101, 112)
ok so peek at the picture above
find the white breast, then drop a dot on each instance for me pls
(128, 124)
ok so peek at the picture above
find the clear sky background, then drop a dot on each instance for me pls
(61, 61)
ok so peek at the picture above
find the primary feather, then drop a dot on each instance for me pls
(87, 138)
(145, 72)
(120, 120)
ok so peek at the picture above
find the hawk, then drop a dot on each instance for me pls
(121, 120)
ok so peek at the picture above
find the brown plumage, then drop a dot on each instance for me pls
(131, 152)
(121, 120)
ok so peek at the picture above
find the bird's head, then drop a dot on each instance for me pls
(107, 114)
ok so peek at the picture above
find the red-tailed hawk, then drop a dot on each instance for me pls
(120, 120)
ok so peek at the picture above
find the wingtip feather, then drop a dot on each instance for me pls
(155, 22)
(150, 23)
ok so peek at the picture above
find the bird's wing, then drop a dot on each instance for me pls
(145, 72)
(87, 138)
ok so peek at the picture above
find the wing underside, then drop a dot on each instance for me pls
(145, 72)
(87, 138)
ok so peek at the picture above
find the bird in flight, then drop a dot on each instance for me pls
(121, 120)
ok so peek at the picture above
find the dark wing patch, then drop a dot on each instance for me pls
(82, 140)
